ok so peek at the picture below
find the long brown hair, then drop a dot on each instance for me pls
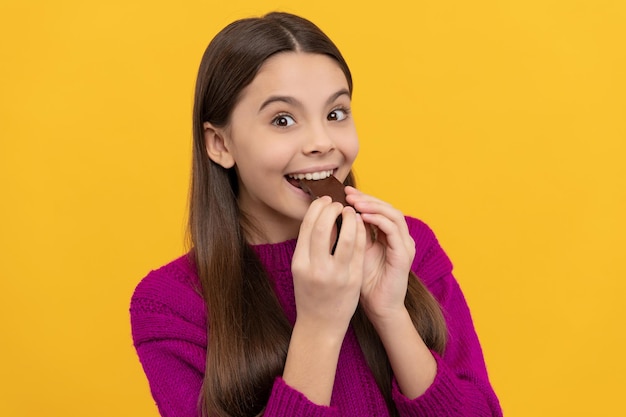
(248, 333)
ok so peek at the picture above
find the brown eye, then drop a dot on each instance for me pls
(337, 115)
(283, 121)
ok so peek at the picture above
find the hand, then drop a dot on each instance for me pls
(388, 257)
(327, 286)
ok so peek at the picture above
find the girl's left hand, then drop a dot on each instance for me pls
(388, 257)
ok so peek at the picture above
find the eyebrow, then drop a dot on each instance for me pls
(294, 102)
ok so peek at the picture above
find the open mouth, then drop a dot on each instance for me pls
(294, 179)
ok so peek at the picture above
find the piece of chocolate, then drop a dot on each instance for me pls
(333, 188)
(330, 186)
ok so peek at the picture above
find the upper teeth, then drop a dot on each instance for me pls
(312, 175)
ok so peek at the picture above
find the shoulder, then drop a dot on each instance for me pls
(179, 271)
(431, 262)
(171, 291)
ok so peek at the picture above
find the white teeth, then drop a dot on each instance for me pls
(312, 175)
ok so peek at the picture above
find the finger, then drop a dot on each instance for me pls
(308, 224)
(385, 210)
(369, 205)
(360, 243)
(372, 205)
(313, 213)
(322, 230)
(364, 203)
(357, 197)
(346, 241)
(396, 235)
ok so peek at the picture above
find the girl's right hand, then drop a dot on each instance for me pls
(327, 286)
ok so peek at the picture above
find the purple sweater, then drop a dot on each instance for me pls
(168, 320)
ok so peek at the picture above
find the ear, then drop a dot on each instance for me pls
(216, 146)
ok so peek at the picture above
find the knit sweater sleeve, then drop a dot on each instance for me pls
(286, 401)
(461, 387)
(169, 328)
(168, 322)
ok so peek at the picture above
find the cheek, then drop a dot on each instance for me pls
(352, 148)
(266, 157)
(275, 157)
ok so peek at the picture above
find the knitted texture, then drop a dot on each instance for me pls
(168, 319)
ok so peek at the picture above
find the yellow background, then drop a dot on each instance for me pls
(499, 123)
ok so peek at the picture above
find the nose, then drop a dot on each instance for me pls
(319, 142)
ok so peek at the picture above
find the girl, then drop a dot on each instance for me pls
(263, 316)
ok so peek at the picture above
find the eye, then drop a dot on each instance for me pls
(338, 114)
(283, 120)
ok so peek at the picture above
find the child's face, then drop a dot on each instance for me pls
(293, 118)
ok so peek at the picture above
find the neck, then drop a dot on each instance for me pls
(259, 234)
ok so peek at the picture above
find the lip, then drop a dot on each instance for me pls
(295, 183)
(295, 187)
(332, 168)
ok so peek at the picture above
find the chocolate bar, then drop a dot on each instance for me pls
(330, 186)
(333, 188)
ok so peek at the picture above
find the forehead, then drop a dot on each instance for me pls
(297, 73)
